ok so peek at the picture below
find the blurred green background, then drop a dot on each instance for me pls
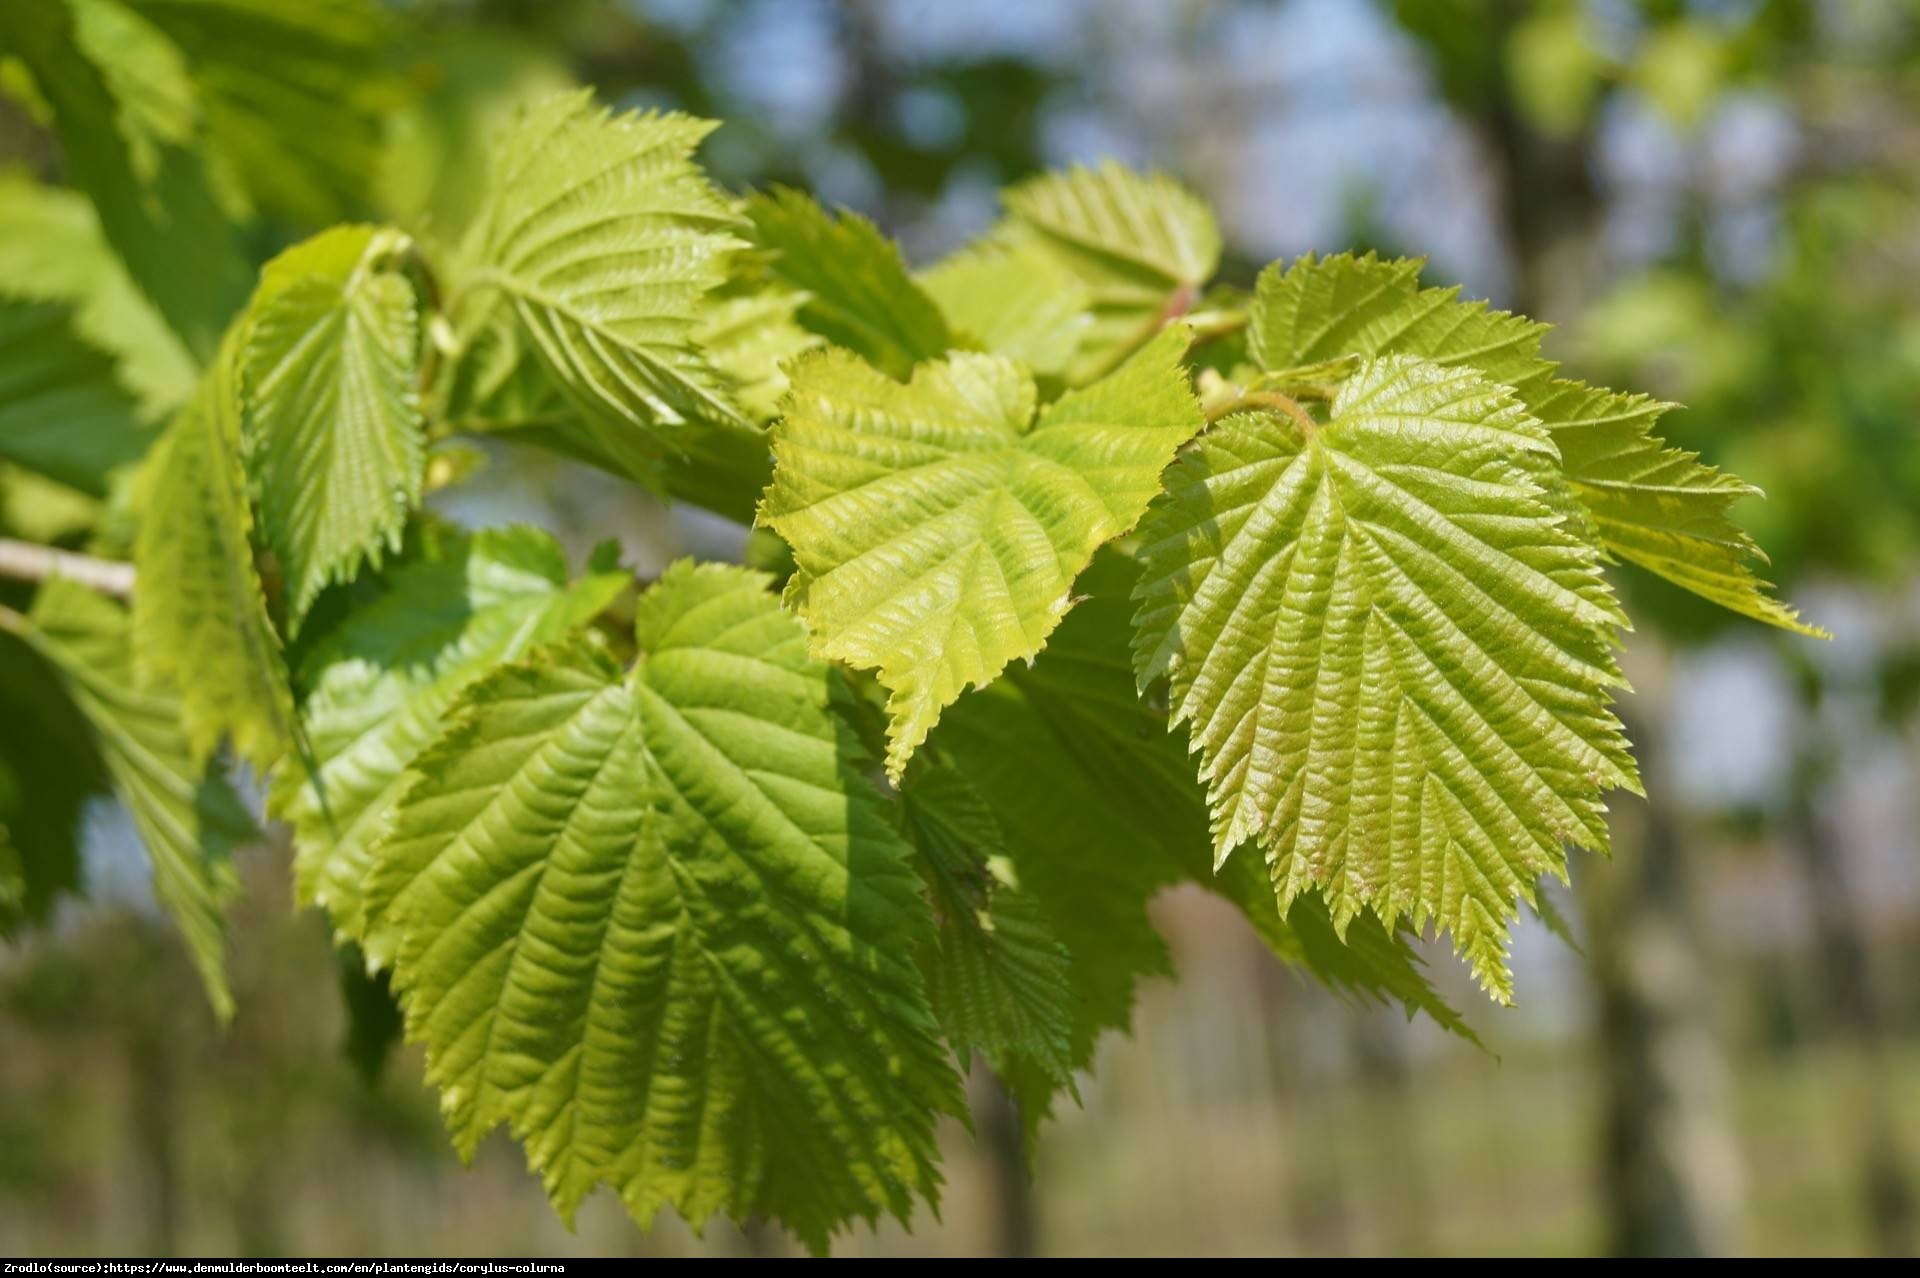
(1715, 200)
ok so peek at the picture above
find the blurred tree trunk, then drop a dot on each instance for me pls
(1378, 1040)
(996, 1116)
(1850, 1013)
(150, 1067)
(1670, 1163)
(1548, 204)
(1316, 1201)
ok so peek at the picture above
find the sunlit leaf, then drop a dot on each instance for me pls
(602, 237)
(1395, 660)
(856, 290)
(377, 690)
(659, 924)
(332, 410)
(1655, 506)
(189, 820)
(938, 525)
(200, 624)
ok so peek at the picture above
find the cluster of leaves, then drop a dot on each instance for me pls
(706, 892)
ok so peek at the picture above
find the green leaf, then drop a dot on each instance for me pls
(374, 1023)
(1142, 245)
(1652, 505)
(500, 387)
(858, 293)
(1655, 506)
(603, 238)
(1365, 962)
(1081, 831)
(201, 625)
(189, 820)
(292, 95)
(1322, 309)
(724, 470)
(1017, 301)
(49, 768)
(999, 979)
(1397, 663)
(722, 466)
(499, 383)
(660, 925)
(62, 413)
(146, 78)
(938, 526)
(52, 250)
(748, 337)
(378, 689)
(1101, 811)
(128, 122)
(332, 413)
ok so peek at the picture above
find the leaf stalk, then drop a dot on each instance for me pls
(1269, 401)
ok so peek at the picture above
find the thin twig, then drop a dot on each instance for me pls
(25, 561)
(11, 621)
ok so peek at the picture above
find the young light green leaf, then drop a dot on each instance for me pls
(748, 336)
(1655, 506)
(1101, 811)
(1017, 301)
(1395, 660)
(1652, 505)
(722, 467)
(62, 413)
(858, 292)
(200, 624)
(500, 388)
(190, 821)
(1142, 244)
(603, 238)
(378, 689)
(999, 979)
(1321, 309)
(660, 925)
(938, 526)
(331, 407)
